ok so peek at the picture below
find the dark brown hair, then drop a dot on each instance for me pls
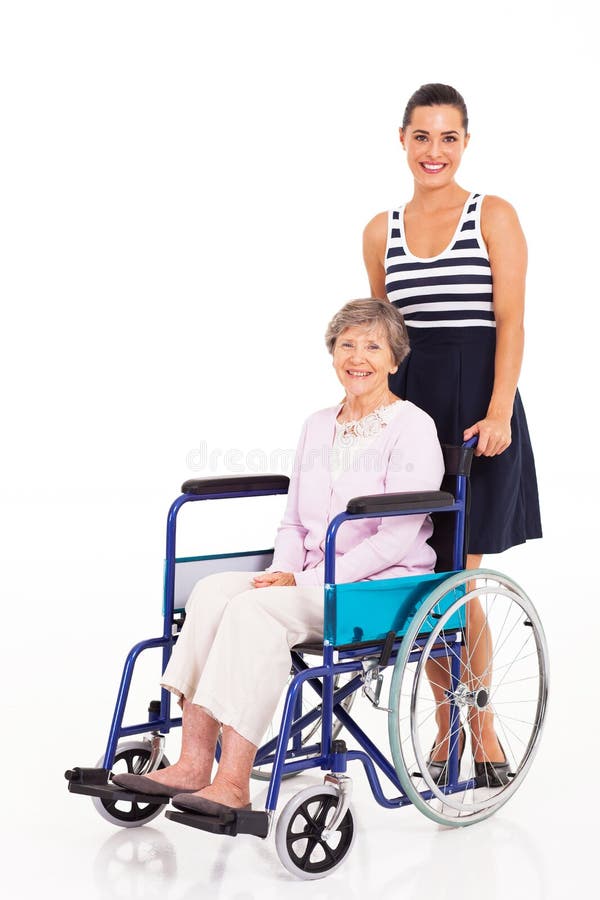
(436, 95)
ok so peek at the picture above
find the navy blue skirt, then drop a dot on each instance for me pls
(450, 374)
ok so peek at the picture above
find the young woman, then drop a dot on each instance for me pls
(454, 263)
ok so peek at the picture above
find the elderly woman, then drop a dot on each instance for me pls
(232, 659)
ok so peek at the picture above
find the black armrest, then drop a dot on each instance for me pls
(389, 502)
(236, 484)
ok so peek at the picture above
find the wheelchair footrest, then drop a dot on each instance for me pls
(234, 822)
(95, 783)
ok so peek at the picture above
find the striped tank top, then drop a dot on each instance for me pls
(453, 289)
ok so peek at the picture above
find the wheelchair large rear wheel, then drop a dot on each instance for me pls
(132, 757)
(499, 651)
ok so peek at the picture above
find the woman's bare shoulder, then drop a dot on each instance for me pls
(497, 210)
(376, 229)
(498, 217)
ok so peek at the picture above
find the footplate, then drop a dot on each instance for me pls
(232, 822)
(94, 783)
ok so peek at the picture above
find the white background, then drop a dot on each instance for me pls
(183, 191)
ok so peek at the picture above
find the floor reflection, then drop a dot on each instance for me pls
(136, 863)
(496, 859)
(503, 862)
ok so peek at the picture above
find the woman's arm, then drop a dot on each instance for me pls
(416, 464)
(374, 241)
(507, 250)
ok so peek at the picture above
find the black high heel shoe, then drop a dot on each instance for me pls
(438, 768)
(492, 774)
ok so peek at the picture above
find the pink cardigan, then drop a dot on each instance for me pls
(405, 456)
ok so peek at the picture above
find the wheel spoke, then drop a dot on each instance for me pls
(522, 659)
(310, 846)
(293, 837)
(513, 702)
(308, 817)
(327, 850)
(498, 648)
(472, 646)
(499, 684)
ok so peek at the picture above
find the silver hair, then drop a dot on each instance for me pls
(371, 313)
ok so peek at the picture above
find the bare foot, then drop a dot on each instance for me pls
(177, 775)
(225, 792)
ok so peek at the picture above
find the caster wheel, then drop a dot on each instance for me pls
(298, 836)
(132, 757)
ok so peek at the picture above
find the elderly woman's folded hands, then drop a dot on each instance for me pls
(274, 579)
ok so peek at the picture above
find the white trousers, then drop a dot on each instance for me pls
(233, 654)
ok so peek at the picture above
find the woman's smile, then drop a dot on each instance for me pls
(432, 168)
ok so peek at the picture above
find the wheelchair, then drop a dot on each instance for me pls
(417, 626)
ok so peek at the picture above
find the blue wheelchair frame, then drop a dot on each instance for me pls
(325, 754)
(379, 643)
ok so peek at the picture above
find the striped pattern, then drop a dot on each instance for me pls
(451, 290)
